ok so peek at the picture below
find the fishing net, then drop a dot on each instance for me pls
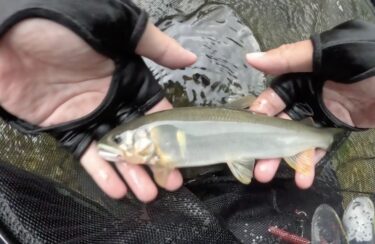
(47, 197)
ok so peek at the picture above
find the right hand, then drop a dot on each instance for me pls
(352, 104)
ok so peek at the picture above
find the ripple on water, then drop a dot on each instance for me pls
(221, 40)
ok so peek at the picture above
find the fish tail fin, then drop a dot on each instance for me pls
(242, 170)
(302, 162)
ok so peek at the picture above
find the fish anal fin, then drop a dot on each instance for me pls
(242, 170)
(161, 175)
(302, 162)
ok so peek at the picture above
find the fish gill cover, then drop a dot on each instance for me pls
(46, 197)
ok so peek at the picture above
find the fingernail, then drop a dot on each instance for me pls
(255, 55)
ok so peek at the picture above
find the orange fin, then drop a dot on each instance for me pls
(161, 175)
(302, 162)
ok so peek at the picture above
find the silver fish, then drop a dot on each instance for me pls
(201, 136)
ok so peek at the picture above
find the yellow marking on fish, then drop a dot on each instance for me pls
(181, 139)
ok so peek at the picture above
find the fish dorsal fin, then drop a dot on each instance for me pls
(242, 170)
(308, 121)
(302, 162)
(161, 175)
(240, 103)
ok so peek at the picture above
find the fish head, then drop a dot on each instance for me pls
(132, 146)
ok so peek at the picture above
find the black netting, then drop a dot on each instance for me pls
(249, 211)
(37, 210)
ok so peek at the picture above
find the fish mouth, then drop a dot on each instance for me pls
(109, 153)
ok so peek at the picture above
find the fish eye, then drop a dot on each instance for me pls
(117, 139)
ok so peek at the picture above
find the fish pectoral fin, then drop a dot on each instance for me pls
(302, 162)
(242, 170)
(241, 103)
(161, 175)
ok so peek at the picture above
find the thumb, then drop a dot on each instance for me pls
(164, 50)
(288, 58)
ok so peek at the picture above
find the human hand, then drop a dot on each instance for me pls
(350, 102)
(49, 75)
(295, 57)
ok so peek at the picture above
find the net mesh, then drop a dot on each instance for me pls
(38, 210)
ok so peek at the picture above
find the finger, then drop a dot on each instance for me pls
(265, 169)
(139, 181)
(305, 181)
(103, 173)
(288, 58)
(174, 180)
(319, 154)
(268, 102)
(163, 49)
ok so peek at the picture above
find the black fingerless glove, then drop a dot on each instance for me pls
(344, 54)
(112, 28)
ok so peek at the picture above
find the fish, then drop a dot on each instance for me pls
(201, 136)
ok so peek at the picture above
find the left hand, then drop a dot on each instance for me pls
(49, 75)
